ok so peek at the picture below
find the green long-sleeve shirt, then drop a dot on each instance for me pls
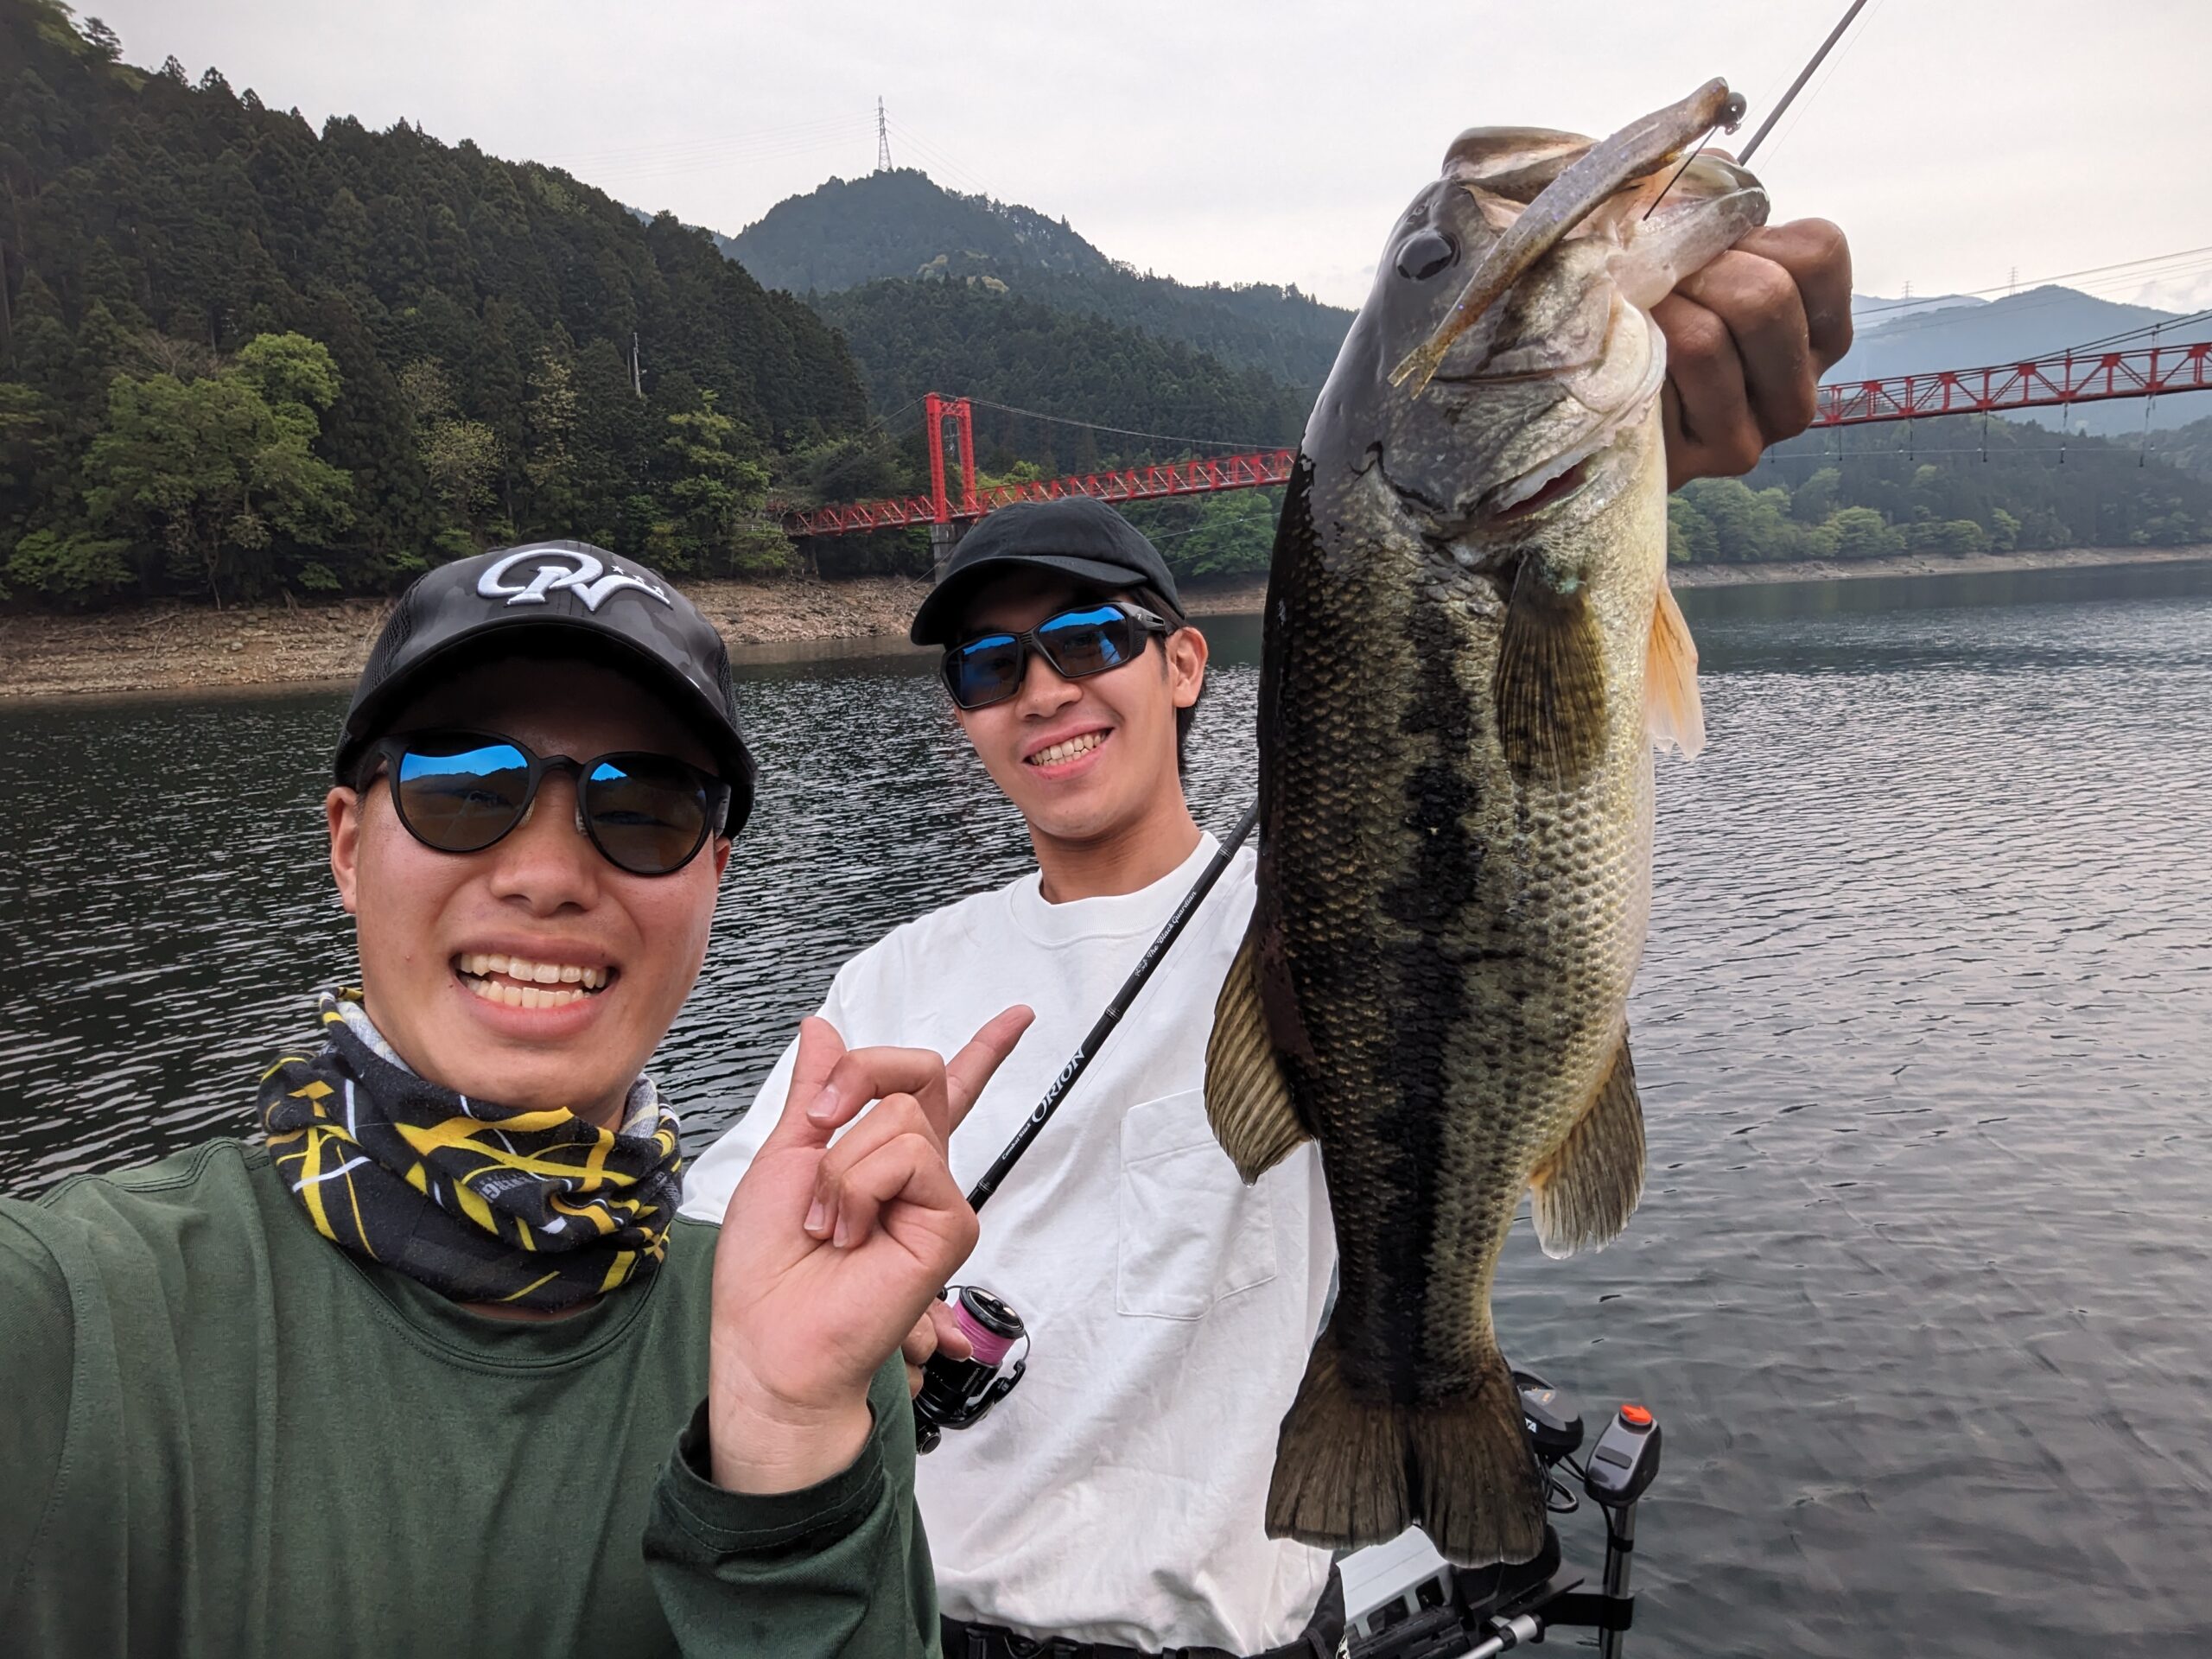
(221, 1435)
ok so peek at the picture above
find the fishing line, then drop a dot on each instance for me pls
(1821, 88)
(1773, 115)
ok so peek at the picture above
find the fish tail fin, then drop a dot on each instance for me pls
(1350, 1472)
(1584, 1192)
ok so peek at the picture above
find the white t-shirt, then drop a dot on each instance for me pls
(1118, 1494)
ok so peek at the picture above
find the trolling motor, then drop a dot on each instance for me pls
(956, 1393)
(1404, 1601)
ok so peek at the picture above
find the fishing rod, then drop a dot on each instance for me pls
(1088, 1048)
(1803, 75)
(956, 1393)
(1773, 115)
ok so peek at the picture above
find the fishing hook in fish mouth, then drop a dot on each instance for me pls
(1635, 152)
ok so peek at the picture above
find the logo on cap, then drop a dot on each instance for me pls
(561, 567)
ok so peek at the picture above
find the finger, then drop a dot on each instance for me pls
(1758, 302)
(820, 1051)
(1712, 412)
(1817, 256)
(966, 1073)
(907, 1173)
(950, 1338)
(894, 1116)
(921, 1341)
(866, 1074)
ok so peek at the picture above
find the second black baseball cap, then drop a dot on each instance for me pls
(576, 594)
(1076, 536)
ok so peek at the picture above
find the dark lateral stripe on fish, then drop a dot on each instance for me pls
(1441, 881)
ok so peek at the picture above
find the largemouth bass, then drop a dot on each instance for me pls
(1469, 649)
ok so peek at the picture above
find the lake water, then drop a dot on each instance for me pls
(1921, 1285)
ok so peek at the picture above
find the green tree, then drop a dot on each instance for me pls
(1690, 535)
(719, 495)
(1861, 533)
(213, 470)
(1235, 536)
(72, 567)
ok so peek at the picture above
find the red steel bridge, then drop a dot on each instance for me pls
(2052, 382)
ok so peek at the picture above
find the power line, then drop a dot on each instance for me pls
(2041, 281)
(681, 149)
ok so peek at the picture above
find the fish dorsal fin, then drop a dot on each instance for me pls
(1672, 707)
(1584, 1192)
(1248, 1098)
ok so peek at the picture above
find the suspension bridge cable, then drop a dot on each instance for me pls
(1122, 431)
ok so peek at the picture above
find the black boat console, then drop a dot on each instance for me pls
(1404, 1601)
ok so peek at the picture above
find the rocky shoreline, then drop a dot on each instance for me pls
(177, 647)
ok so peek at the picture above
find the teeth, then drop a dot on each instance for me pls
(480, 966)
(522, 997)
(1067, 751)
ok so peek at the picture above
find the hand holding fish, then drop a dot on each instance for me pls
(1748, 339)
(830, 1253)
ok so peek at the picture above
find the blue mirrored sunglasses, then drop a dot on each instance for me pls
(990, 668)
(460, 792)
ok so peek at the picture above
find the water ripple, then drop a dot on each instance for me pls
(1922, 1279)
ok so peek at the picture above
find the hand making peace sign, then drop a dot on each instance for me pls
(830, 1254)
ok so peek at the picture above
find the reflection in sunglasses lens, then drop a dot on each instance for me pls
(987, 671)
(647, 814)
(461, 801)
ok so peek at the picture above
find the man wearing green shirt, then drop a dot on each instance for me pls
(435, 1367)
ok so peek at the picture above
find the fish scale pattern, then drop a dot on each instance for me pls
(1457, 942)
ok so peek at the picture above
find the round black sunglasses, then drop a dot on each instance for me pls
(460, 791)
(1088, 640)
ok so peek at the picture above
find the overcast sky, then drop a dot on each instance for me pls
(1956, 141)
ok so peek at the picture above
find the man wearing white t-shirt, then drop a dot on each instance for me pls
(1114, 1499)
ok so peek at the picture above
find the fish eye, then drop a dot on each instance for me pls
(1424, 255)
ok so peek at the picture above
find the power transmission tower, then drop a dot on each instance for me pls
(882, 139)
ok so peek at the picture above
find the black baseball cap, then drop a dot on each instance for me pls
(1076, 536)
(570, 594)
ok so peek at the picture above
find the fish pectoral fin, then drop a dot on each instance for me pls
(1549, 687)
(1673, 709)
(1584, 1192)
(1247, 1095)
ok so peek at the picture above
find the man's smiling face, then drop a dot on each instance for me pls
(1083, 759)
(534, 973)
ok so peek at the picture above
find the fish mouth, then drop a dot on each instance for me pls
(1635, 156)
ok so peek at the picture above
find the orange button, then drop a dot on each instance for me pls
(1636, 1416)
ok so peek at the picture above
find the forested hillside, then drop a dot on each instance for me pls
(1960, 485)
(912, 337)
(239, 357)
(900, 224)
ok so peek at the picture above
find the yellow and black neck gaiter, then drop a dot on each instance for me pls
(481, 1203)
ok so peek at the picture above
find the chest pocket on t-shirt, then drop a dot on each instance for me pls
(1191, 1231)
